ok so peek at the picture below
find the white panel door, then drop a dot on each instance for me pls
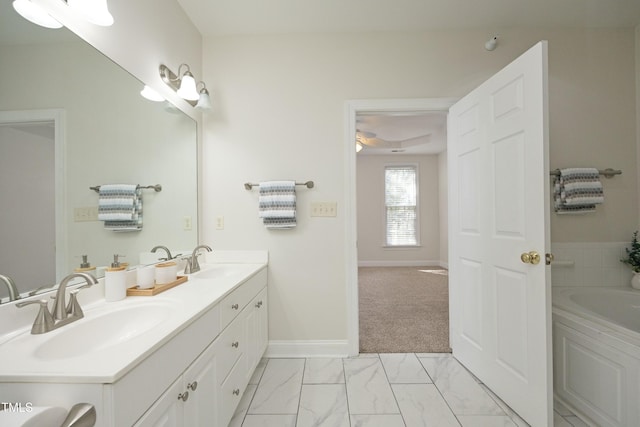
(500, 306)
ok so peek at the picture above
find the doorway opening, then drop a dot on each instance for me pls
(31, 150)
(394, 133)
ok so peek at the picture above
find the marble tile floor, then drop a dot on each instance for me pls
(374, 390)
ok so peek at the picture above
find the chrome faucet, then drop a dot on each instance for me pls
(164, 248)
(62, 313)
(11, 287)
(193, 265)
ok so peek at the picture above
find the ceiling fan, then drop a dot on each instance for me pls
(369, 139)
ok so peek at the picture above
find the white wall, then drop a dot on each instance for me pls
(637, 72)
(281, 107)
(371, 214)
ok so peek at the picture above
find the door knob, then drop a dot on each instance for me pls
(532, 257)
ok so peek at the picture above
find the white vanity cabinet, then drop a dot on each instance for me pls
(209, 389)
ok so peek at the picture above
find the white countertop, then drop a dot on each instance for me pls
(19, 362)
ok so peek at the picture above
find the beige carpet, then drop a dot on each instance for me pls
(403, 310)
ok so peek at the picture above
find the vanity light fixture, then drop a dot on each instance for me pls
(94, 11)
(36, 14)
(150, 94)
(185, 86)
(204, 100)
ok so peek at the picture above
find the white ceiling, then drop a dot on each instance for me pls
(224, 17)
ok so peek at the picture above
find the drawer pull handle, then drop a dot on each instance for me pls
(235, 344)
(259, 304)
(193, 386)
(183, 396)
(235, 306)
(236, 392)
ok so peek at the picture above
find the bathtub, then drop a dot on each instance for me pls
(596, 353)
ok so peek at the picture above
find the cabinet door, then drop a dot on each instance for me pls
(167, 411)
(256, 328)
(201, 382)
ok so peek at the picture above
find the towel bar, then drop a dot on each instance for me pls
(249, 186)
(156, 187)
(608, 173)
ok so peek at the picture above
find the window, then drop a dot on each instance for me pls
(401, 202)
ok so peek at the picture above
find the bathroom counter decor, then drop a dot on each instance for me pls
(134, 291)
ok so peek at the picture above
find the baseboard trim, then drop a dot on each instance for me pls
(295, 348)
(417, 263)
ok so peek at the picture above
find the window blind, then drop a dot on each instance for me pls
(401, 205)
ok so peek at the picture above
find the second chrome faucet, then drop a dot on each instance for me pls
(193, 265)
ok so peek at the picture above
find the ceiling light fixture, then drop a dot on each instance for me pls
(491, 44)
(36, 14)
(185, 86)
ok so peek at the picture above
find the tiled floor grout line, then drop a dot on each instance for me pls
(511, 415)
(392, 391)
(439, 392)
(346, 394)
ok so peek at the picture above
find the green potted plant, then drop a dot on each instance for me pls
(633, 260)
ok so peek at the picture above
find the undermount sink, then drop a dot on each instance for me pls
(99, 331)
(220, 271)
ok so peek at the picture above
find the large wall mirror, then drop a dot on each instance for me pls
(71, 119)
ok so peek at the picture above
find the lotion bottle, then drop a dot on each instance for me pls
(115, 285)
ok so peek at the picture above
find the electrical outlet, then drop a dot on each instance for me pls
(85, 214)
(327, 209)
(186, 223)
(219, 223)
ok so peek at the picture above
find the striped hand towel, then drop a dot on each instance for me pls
(120, 207)
(277, 204)
(577, 190)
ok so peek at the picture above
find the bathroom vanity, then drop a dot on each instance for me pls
(180, 358)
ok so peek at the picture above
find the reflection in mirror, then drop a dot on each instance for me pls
(101, 131)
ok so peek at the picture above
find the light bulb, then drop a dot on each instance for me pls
(34, 13)
(188, 89)
(151, 94)
(95, 11)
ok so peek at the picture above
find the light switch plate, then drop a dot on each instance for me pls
(327, 209)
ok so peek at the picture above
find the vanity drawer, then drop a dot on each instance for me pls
(229, 346)
(232, 390)
(233, 303)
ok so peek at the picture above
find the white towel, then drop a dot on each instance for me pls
(577, 190)
(120, 207)
(277, 204)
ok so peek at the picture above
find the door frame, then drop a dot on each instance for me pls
(57, 116)
(351, 109)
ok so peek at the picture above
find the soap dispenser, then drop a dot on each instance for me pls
(115, 285)
(85, 267)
